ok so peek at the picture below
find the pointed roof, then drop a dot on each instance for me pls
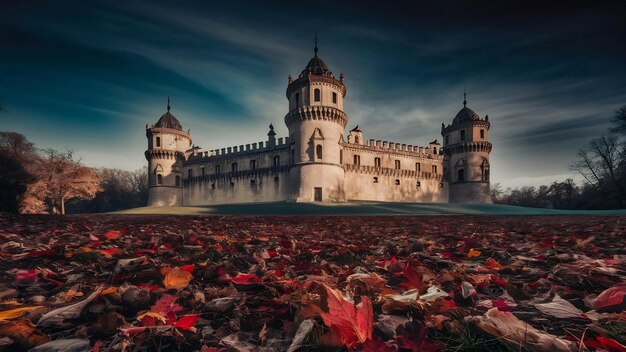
(316, 65)
(466, 114)
(168, 120)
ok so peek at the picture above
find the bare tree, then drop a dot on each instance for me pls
(619, 120)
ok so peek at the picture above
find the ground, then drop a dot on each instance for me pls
(313, 283)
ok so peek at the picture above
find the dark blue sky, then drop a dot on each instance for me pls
(89, 75)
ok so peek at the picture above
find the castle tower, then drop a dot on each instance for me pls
(316, 124)
(167, 146)
(466, 157)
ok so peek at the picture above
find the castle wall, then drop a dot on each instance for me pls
(418, 178)
(260, 175)
(165, 196)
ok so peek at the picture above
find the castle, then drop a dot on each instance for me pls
(318, 161)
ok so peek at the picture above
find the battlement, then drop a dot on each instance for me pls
(240, 150)
(380, 146)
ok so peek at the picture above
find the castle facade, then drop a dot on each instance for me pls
(319, 161)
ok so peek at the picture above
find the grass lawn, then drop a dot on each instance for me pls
(360, 208)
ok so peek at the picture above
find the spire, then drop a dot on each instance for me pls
(315, 49)
(168, 104)
(464, 98)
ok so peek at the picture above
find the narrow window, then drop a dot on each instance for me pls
(316, 95)
(435, 150)
(212, 185)
(356, 139)
(486, 174)
(462, 135)
(158, 141)
(203, 171)
(482, 134)
(357, 160)
(297, 98)
(375, 179)
(159, 179)
(189, 174)
(217, 169)
(252, 164)
(233, 167)
(318, 151)
(419, 184)
(461, 175)
(377, 163)
(397, 164)
(252, 182)
(293, 157)
(397, 182)
(434, 169)
(334, 98)
(177, 181)
(276, 161)
(418, 167)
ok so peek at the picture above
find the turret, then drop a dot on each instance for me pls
(316, 124)
(466, 157)
(167, 147)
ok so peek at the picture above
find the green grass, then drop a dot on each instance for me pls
(360, 208)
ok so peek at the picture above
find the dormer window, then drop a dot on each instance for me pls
(318, 152)
(317, 95)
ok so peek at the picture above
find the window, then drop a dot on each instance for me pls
(397, 182)
(460, 175)
(418, 167)
(159, 179)
(252, 164)
(158, 141)
(217, 169)
(233, 167)
(434, 169)
(318, 151)
(377, 163)
(397, 164)
(276, 179)
(177, 181)
(418, 184)
(435, 150)
(462, 138)
(334, 98)
(293, 157)
(357, 160)
(212, 185)
(203, 171)
(189, 173)
(375, 179)
(487, 174)
(316, 95)
(356, 139)
(276, 161)
(252, 182)
(297, 100)
(482, 134)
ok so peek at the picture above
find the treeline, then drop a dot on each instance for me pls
(36, 180)
(603, 167)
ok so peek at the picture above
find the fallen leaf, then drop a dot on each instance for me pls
(16, 312)
(353, 323)
(473, 253)
(177, 279)
(558, 308)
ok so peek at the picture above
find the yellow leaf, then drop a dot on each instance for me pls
(108, 291)
(155, 315)
(71, 294)
(16, 312)
(473, 253)
(177, 279)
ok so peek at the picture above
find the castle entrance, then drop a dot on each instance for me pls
(317, 194)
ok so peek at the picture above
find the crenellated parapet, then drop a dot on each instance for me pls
(244, 150)
(324, 113)
(393, 148)
(472, 147)
(309, 79)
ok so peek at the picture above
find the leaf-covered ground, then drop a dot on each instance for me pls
(312, 283)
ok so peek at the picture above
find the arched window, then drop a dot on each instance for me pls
(276, 161)
(434, 169)
(318, 151)
(316, 95)
(435, 150)
(376, 162)
(177, 181)
(297, 100)
(357, 160)
(158, 141)
(418, 167)
(334, 98)
(461, 175)
(253, 164)
(482, 134)
(356, 139)
(159, 179)
(397, 164)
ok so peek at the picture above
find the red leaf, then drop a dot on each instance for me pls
(613, 296)
(246, 279)
(166, 306)
(188, 268)
(377, 345)
(186, 322)
(353, 324)
(414, 279)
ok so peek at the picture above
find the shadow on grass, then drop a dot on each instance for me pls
(360, 208)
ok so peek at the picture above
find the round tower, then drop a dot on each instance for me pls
(167, 146)
(466, 157)
(316, 124)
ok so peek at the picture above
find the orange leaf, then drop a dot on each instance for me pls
(16, 312)
(473, 253)
(492, 263)
(108, 291)
(177, 279)
(112, 235)
(352, 323)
